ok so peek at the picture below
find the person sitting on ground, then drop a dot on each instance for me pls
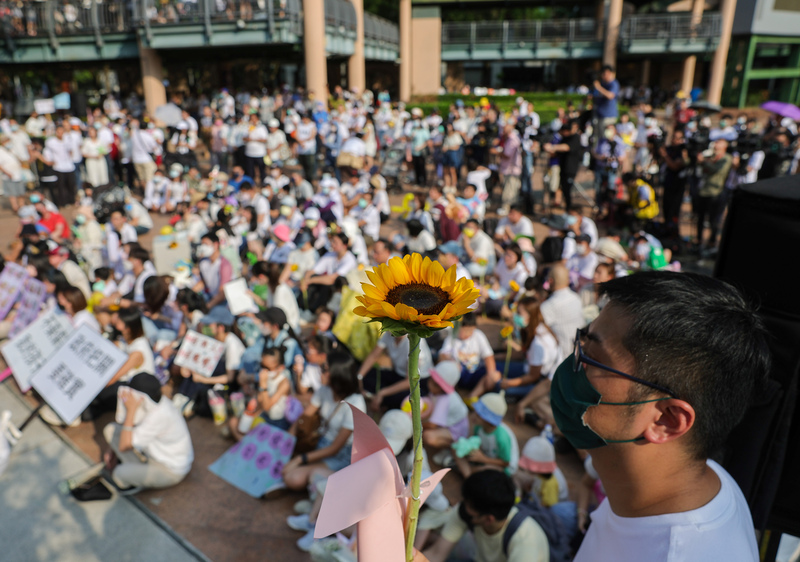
(332, 453)
(151, 445)
(273, 391)
(73, 302)
(487, 509)
(386, 388)
(473, 352)
(318, 282)
(215, 270)
(498, 448)
(447, 419)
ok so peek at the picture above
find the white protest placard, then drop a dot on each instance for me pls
(77, 372)
(44, 106)
(31, 298)
(239, 300)
(33, 346)
(199, 353)
(11, 280)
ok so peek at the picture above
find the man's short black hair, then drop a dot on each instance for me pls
(140, 254)
(518, 207)
(607, 67)
(699, 337)
(489, 492)
(211, 237)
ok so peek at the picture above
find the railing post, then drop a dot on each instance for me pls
(93, 12)
(148, 33)
(50, 18)
(271, 19)
(537, 34)
(472, 36)
(504, 41)
(207, 18)
(571, 36)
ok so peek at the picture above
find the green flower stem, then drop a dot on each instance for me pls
(412, 513)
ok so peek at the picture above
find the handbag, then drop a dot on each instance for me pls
(310, 428)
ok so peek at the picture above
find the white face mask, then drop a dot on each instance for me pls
(582, 250)
(127, 265)
(205, 251)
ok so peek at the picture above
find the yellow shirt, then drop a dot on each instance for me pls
(528, 544)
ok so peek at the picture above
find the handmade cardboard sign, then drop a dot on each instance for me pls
(77, 372)
(254, 465)
(11, 280)
(239, 300)
(199, 353)
(30, 304)
(34, 345)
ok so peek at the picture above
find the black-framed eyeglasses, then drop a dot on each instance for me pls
(578, 357)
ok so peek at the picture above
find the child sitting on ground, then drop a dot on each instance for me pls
(447, 419)
(273, 389)
(498, 446)
(538, 475)
(471, 348)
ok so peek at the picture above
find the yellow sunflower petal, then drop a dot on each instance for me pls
(507, 331)
(373, 292)
(435, 273)
(415, 268)
(449, 279)
(406, 312)
(399, 271)
(377, 281)
(389, 311)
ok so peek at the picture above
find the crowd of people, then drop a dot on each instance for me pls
(292, 194)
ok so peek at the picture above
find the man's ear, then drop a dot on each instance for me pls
(672, 419)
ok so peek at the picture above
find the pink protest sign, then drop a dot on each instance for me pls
(30, 304)
(199, 353)
(11, 281)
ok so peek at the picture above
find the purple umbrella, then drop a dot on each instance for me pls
(783, 109)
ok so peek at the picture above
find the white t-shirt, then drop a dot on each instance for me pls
(332, 263)
(469, 352)
(544, 352)
(256, 147)
(284, 298)
(58, 152)
(84, 317)
(306, 131)
(164, 437)
(398, 352)
(147, 366)
(524, 226)
(720, 530)
(478, 179)
(11, 164)
(336, 419)
(563, 312)
(234, 349)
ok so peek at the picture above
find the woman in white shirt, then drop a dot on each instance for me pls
(339, 388)
(510, 268)
(128, 322)
(451, 155)
(73, 301)
(542, 357)
(94, 154)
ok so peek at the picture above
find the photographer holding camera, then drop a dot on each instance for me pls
(676, 160)
(609, 155)
(710, 203)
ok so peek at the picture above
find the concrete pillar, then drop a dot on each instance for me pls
(314, 46)
(155, 94)
(612, 32)
(356, 69)
(426, 50)
(646, 72)
(690, 63)
(599, 16)
(405, 50)
(728, 10)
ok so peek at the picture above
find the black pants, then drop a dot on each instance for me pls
(672, 201)
(252, 164)
(65, 189)
(420, 172)
(566, 189)
(309, 164)
(710, 208)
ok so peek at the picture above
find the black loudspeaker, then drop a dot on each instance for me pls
(760, 254)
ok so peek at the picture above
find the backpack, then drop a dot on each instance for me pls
(557, 536)
(552, 249)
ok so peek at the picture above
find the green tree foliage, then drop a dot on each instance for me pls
(389, 9)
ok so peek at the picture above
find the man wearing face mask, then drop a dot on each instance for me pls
(725, 131)
(215, 270)
(653, 387)
(478, 248)
(582, 264)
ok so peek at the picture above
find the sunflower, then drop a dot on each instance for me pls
(415, 295)
(506, 332)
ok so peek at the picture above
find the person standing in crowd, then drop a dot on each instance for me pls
(11, 174)
(710, 204)
(306, 137)
(569, 152)
(57, 155)
(604, 98)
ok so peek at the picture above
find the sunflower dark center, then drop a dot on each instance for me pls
(422, 298)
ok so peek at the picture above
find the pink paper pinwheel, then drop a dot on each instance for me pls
(371, 493)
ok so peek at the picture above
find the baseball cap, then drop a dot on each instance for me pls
(491, 408)
(282, 232)
(538, 455)
(218, 315)
(446, 374)
(312, 214)
(58, 251)
(273, 123)
(611, 249)
(289, 202)
(451, 247)
(397, 428)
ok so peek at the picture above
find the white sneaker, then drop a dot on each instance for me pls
(8, 429)
(49, 416)
(299, 523)
(306, 541)
(303, 507)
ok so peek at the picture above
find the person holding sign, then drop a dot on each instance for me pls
(151, 428)
(128, 323)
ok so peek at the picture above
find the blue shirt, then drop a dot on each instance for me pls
(236, 184)
(604, 107)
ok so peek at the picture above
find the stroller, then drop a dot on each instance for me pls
(394, 169)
